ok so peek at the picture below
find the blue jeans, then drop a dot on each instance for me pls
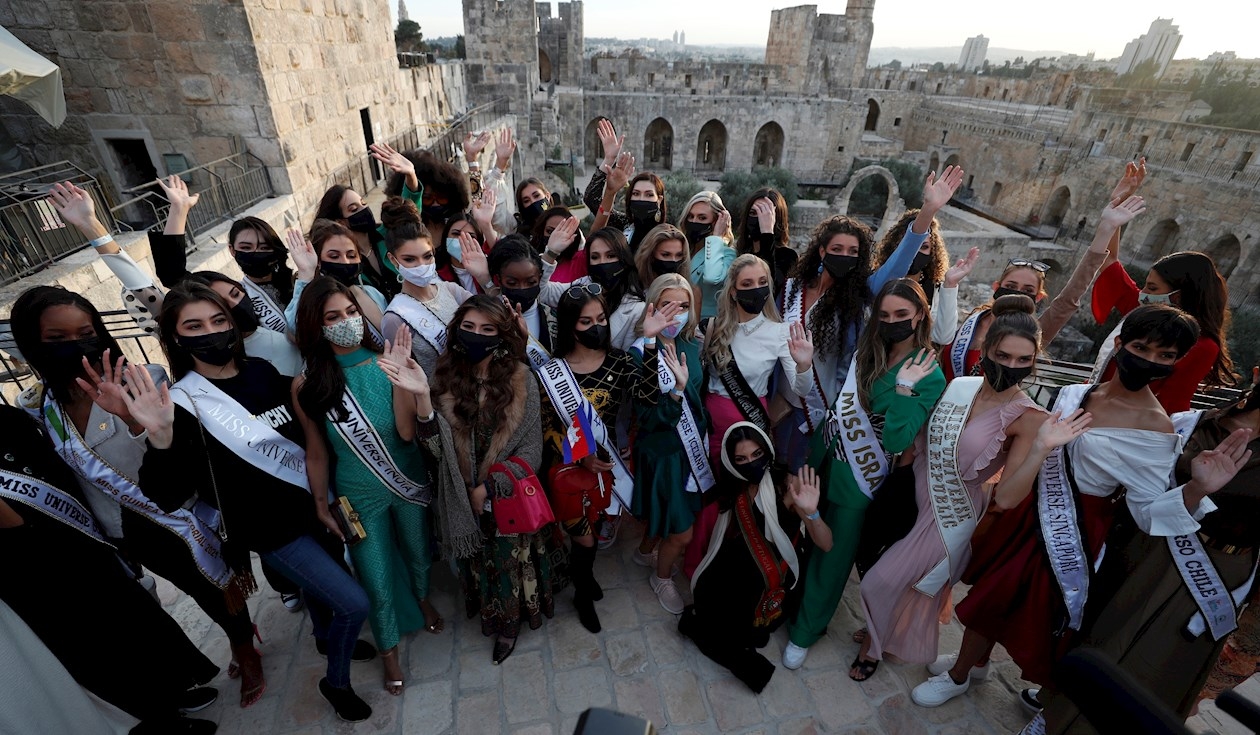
(337, 603)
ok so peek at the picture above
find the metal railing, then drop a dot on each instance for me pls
(32, 234)
(227, 187)
(1051, 375)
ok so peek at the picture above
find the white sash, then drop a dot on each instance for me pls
(567, 397)
(240, 431)
(962, 343)
(858, 441)
(54, 503)
(956, 518)
(198, 532)
(1105, 352)
(816, 402)
(362, 438)
(269, 313)
(1056, 511)
(421, 319)
(693, 440)
(537, 355)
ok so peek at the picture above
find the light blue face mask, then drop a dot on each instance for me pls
(455, 249)
(1157, 298)
(680, 321)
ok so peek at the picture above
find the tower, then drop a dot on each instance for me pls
(501, 45)
(402, 11)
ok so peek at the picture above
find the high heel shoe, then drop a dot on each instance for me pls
(502, 650)
(234, 668)
(250, 670)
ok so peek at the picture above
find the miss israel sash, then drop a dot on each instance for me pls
(198, 534)
(269, 313)
(956, 518)
(362, 438)
(1056, 511)
(567, 397)
(693, 440)
(858, 443)
(816, 401)
(240, 431)
(962, 343)
(56, 504)
(421, 319)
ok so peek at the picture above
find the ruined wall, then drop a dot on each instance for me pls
(560, 38)
(695, 78)
(501, 41)
(788, 43)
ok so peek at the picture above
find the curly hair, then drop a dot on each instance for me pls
(436, 177)
(939, 263)
(458, 377)
(843, 304)
(872, 352)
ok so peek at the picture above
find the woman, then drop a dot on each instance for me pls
(587, 378)
(978, 424)
(663, 250)
(532, 199)
(450, 257)
(751, 561)
(707, 225)
(484, 411)
(765, 231)
(1016, 597)
(645, 201)
(331, 250)
(258, 486)
(569, 254)
(517, 271)
(346, 407)
(610, 264)
(886, 399)
(445, 189)
(64, 339)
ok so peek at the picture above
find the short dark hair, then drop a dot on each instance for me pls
(510, 249)
(24, 321)
(1164, 325)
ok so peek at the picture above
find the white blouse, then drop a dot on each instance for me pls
(760, 344)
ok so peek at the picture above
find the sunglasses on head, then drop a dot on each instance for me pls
(592, 288)
(1036, 265)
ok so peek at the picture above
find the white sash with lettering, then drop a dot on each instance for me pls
(537, 355)
(269, 313)
(198, 532)
(693, 440)
(421, 319)
(566, 397)
(858, 441)
(240, 431)
(1105, 352)
(816, 402)
(1056, 510)
(962, 343)
(362, 438)
(54, 503)
(956, 518)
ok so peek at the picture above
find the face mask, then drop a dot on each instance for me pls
(1001, 291)
(433, 213)
(217, 348)
(455, 249)
(752, 300)
(1000, 377)
(476, 346)
(361, 221)
(606, 274)
(1157, 298)
(894, 332)
(645, 211)
(244, 316)
(346, 333)
(531, 213)
(347, 274)
(419, 275)
(523, 296)
(921, 261)
(661, 267)
(256, 265)
(839, 265)
(594, 337)
(64, 360)
(674, 329)
(753, 471)
(1137, 372)
(697, 231)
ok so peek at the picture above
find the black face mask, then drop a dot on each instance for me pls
(894, 332)
(1000, 377)
(530, 214)
(661, 267)
(244, 316)
(347, 274)
(645, 211)
(63, 361)
(523, 296)
(697, 231)
(753, 471)
(477, 346)
(1137, 372)
(257, 265)
(594, 337)
(839, 265)
(434, 213)
(217, 348)
(362, 221)
(920, 263)
(1001, 291)
(606, 274)
(752, 300)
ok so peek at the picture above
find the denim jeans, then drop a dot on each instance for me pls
(337, 603)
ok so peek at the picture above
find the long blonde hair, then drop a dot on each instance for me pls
(717, 340)
(714, 201)
(872, 353)
(647, 249)
(653, 295)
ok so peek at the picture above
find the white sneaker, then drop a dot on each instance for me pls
(1029, 700)
(938, 690)
(668, 595)
(946, 663)
(794, 656)
(646, 560)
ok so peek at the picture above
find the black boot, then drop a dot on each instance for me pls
(586, 589)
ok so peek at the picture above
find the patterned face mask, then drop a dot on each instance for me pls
(346, 333)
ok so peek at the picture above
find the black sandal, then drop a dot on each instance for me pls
(865, 668)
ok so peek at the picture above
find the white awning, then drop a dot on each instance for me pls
(31, 78)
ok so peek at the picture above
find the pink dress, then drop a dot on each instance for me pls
(903, 621)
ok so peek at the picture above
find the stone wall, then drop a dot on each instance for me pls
(561, 39)
(501, 44)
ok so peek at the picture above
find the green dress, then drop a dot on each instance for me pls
(392, 562)
(827, 572)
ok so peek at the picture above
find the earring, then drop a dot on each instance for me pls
(400, 278)
(820, 269)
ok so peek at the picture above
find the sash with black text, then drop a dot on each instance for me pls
(857, 443)
(269, 313)
(693, 440)
(962, 343)
(57, 504)
(362, 438)
(1060, 527)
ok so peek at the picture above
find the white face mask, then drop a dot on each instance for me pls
(674, 329)
(346, 333)
(420, 275)
(1157, 298)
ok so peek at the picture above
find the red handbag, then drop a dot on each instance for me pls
(577, 492)
(526, 510)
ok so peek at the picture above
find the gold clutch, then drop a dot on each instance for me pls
(348, 520)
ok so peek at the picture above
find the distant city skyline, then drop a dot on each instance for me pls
(1073, 26)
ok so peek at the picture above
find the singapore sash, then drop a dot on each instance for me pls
(421, 319)
(962, 343)
(857, 438)
(269, 313)
(57, 504)
(1060, 529)
(362, 438)
(693, 440)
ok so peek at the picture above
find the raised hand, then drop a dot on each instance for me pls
(562, 236)
(676, 366)
(962, 268)
(801, 346)
(656, 319)
(621, 172)
(937, 191)
(804, 491)
(917, 368)
(763, 209)
(395, 161)
(303, 254)
(611, 143)
(150, 406)
(473, 258)
(521, 325)
(75, 207)
(399, 366)
(1212, 469)
(723, 224)
(1057, 431)
(483, 207)
(504, 149)
(1134, 175)
(1118, 213)
(176, 192)
(106, 388)
(474, 145)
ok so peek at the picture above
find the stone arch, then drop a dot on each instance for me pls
(711, 147)
(593, 150)
(544, 66)
(953, 160)
(872, 115)
(893, 208)
(1058, 206)
(1160, 240)
(658, 146)
(1225, 251)
(768, 145)
(935, 163)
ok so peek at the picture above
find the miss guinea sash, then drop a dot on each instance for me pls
(693, 441)
(816, 402)
(362, 438)
(201, 537)
(858, 441)
(1056, 511)
(956, 518)
(962, 343)
(57, 504)
(269, 313)
(567, 397)
(421, 319)
(240, 431)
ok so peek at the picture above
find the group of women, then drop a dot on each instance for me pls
(412, 381)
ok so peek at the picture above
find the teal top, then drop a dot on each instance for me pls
(708, 270)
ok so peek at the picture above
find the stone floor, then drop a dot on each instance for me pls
(638, 664)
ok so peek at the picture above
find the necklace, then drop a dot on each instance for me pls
(756, 324)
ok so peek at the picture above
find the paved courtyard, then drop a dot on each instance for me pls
(639, 664)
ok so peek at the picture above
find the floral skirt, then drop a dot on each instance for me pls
(513, 579)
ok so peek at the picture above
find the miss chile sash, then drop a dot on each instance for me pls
(56, 504)
(421, 319)
(816, 402)
(240, 431)
(362, 438)
(956, 518)
(198, 535)
(567, 397)
(858, 443)
(1060, 527)
(693, 440)
(962, 343)
(269, 313)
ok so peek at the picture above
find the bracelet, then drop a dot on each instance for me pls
(474, 164)
(101, 240)
(905, 384)
(649, 341)
(813, 516)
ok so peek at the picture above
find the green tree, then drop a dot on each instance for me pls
(460, 52)
(737, 186)
(408, 38)
(680, 187)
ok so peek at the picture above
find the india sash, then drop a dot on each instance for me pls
(1060, 529)
(56, 504)
(269, 313)
(858, 441)
(362, 438)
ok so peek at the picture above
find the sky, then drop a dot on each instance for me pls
(1071, 26)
